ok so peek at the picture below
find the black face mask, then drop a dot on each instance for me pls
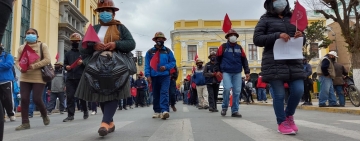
(333, 59)
(160, 43)
(213, 59)
(199, 66)
(75, 45)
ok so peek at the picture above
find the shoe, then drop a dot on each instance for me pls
(49, 113)
(46, 120)
(310, 103)
(30, 116)
(93, 113)
(236, 114)
(336, 105)
(104, 129)
(12, 118)
(285, 129)
(111, 127)
(211, 109)
(23, 127)
(124, 108)
(292, 124)
(68, 119)
(216, 110)
(61, 112)
(165, 115)
(323, 105)
(200, 108)
(86, 115)
(173, 108)
(223, 112)
(156, 115)
(206, 107)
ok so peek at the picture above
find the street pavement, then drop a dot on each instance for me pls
(190, 124)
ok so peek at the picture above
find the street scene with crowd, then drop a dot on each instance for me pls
(97, 91)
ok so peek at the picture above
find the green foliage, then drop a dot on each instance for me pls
(315, 33)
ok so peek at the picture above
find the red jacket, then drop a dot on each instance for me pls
(286, 85)
(260, 83)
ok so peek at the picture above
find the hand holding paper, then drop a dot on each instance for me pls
(291, 49)
(90, 36)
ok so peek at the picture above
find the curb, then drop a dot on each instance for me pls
(322, 109)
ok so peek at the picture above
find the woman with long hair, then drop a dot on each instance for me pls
(31, 79)
(273, 25)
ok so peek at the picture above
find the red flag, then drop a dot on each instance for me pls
(172, 71)
(57, 57)
(299, 17)
(193, 70)
(90, 36)
(154, 62)
(227, 24)
(73, 65)
(196, 57)
(193, 85)
(28, 56)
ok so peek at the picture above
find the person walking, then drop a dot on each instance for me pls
(307, 82)
(57, 89)
(212, 83)
(172, 88)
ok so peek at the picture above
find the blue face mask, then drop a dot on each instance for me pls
(280, 5)
(31, 38)
(106, 16)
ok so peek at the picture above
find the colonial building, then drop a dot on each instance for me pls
(55, 20)
(200, 37)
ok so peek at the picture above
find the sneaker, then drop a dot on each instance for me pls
(68, 119)
(156, 115)
(216, 110)
(165, 115)
(30, 116)
(292, 124)
(46, 120)
(93, 113)
(86, 115)
(23, 127)
(173, 108)
(12, 118)
(236, 114)
(49, 113)
(285, 129)
(223, 112)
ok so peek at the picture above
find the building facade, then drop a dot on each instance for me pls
(55, 20)
(200, 37)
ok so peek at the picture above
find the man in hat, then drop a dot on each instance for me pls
(159, 60)
(172, 88)
(232, 60)
(73, 77)
(326, 73)
(212, 83)
(201, 89)
(141, 86)
(57, 89)
(307, 82)
(186, 85)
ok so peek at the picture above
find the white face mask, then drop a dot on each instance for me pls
(280, 5)
(232, 39)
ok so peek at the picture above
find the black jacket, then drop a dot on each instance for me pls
(209, 70)
(174, 76)
(70, 58)
(267, 31)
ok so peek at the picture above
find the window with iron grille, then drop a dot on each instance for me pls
(252, 53)
(6, 40)
(211, 49)
(192, 51)
(25, 19)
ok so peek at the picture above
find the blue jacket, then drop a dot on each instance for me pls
(167, 59)
(308, 70)
(198, 77)
(6, 65)
(141, 84)
(16, 87)
(232, 59)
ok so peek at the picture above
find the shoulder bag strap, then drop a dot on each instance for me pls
(41, 52)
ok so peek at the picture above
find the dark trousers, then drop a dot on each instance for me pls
(249, 96)
(160, 87)
(213, 90)
(129, 101)
(307, 97)
(37, 89)
(172, 92)
(108, 109)
(71, 86)
(193, 97)
(243, 95)
(93, 106)
(7, 99)
(52, 102)
(123, 105)
(140, 97)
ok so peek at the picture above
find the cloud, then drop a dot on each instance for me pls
(146, 17)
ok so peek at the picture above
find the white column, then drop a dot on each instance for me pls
(61, 44)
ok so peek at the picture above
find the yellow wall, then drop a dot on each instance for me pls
(45, 18)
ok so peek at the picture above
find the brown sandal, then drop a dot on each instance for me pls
(111, 127)
(104, 129)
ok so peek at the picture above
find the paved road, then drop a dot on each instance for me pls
(190, 124)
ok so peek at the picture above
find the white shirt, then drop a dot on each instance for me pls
(102, 33)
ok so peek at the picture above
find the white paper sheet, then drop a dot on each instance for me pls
(291, 49)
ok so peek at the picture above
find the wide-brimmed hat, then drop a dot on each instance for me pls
(199, 61)
(106, 4)
(333, 53)
(231, 31)
(212, 53)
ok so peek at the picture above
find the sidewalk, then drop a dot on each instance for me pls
(18, 114)
(348, 109)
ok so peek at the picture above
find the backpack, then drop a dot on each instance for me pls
(106, 73)
(13, 68)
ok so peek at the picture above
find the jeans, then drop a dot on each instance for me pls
(271, 92)
(186, 99)
(160, 87)
(150, 98)
(340, 92)
(44, 97)
(52, 102)
(234, 81)
(172, 92)
(326, 91)
(262, 94)
(296, 92)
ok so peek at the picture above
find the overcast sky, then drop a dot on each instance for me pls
(145, 17)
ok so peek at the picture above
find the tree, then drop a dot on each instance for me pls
(314, 35)
(343, 11)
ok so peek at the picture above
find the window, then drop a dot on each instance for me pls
(77, 3)
(25, 19)
(211, 49)
(6, 40)
(192, 51)
(94, 19)
(252, 52)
